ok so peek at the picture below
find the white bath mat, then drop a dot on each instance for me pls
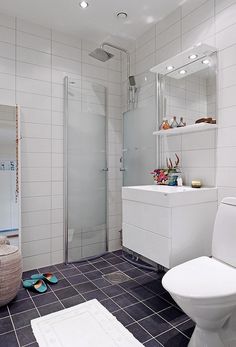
(85, 325)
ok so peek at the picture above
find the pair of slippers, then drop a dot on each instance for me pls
(37, 282)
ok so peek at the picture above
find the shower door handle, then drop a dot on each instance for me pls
(122, 169)
(105, 169)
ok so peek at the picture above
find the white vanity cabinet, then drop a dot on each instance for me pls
(168, 225)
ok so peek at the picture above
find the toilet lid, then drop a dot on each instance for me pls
(201, 278)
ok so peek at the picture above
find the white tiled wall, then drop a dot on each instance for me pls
(212, 22)
(33, 63)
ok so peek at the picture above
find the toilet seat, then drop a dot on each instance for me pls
(202, 278)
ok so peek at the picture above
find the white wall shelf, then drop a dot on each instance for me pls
(186, 130)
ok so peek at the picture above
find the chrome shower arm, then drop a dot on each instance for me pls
(120, 49)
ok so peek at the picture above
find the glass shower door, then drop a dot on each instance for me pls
(86, 172)
(139, 145)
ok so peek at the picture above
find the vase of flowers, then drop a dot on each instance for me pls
(169, 175)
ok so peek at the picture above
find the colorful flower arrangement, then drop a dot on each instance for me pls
(169, 175)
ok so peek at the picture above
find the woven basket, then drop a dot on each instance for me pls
(10, 271)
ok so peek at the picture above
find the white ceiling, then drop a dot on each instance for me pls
(98, 22)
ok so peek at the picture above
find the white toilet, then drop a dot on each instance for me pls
(205, 288)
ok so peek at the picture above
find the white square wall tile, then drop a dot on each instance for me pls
(28, 55)
(32, 28)
(30, 189)
(7, 35)
(7, 50)
(7, 21)
(34, 42)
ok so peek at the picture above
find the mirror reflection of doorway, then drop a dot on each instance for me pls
(9, 190)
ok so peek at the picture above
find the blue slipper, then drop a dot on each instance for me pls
(36, 285)
(47, 277)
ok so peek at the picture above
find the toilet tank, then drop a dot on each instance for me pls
(224, 235)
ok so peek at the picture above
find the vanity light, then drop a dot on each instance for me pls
(206, 61)
(83, 4)
(169, 68)
(182, 72)
(193, 56)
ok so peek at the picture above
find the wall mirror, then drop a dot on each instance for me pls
(190, 91)
(9, 174)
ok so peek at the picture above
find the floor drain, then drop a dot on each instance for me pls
(116, 277)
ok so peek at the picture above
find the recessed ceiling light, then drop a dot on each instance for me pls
(122, 15)
(206, 61)
(83, 4)
(182, 72)
(170, 67)
(193, 56)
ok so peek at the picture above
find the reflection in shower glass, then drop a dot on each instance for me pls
(86, 171)
(139, 144)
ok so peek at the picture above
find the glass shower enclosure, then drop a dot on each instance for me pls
(85, 170)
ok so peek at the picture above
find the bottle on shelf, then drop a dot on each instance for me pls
(174, 123)
(181, 123)
(165, 124)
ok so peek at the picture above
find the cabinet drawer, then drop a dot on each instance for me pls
(152, 246)
(153, 218)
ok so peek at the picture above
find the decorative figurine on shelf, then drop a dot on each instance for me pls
(174, 123)
(165, 124)
(181, 123)
(168, 176)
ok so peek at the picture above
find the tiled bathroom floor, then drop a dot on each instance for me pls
(140, 304)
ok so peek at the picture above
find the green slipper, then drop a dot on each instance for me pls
(47, 277)
(36, 285)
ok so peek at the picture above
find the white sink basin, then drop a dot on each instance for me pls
(169, 196)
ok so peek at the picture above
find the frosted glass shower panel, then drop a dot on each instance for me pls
(139, 145)
(86, 142)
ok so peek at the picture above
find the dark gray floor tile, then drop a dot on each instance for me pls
(113, 290)
(85, 287)
(141, 293)
(110, 305)
(25, 335)
(65, 293)
(133, 273)
(5, 325)
(152, 343)
(115, 260)
(118, 253)
(187, 328)
(22, 294)
(173, 315)
(156, 303)
(125, 266)
(86, 268)
(23, 319)
(72, 301)
(125, 300)
(101, 283)
(4, 311)
(173, 338)
(20, 306)
(56, 306)
(138, 332)
(101, 264)
(44, 299)
(77, 279)
(63, 266)
(93, 275)
(155, 325)
(108, 270)
(61, 284)
(123, 317)
(8, 340)
(155, 286)
(168, 298)
(95, 294)
(138, 311)
(70, 272)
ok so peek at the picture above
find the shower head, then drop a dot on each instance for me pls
(132, 81)
(101, 54)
